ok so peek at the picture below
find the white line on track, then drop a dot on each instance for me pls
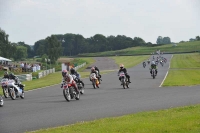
(166, 73)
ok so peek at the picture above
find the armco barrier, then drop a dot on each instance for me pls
(45, 72)
(77, 67)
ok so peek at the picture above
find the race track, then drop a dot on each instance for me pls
(47, 107)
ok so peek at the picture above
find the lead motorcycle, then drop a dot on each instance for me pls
(94, 80)
(15, 91)
(79, 83)
(4, 85)
(124, 80)
(153, 73)
(69, 92)
(1, 101)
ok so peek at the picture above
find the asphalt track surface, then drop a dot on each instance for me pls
(47, 107)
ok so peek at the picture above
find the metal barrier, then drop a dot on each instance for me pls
(45, 73)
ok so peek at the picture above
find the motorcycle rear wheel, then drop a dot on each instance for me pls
(12, 94)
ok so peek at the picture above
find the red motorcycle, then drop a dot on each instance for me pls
(69, 92)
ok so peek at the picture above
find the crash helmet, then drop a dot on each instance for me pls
(6, 73)
(92, 69)
(72, 70)
(153, 62)
(121, 66)
(64, 73)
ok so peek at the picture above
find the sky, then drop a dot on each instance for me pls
(32, 20)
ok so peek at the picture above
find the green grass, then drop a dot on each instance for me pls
(182, 78)
(184, 71)
(177, 120)
(129, 61)
(182, 47)
(186, 61)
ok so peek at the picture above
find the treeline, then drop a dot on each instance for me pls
(74, 44)
(16, 51)
(68, 44)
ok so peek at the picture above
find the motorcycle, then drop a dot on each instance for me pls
(69, 92)
(79, 83)
(4, 84)
(148, 62)
(94, 80)
(1, 101)
(123, 80)
(153, 73)
(15, 90)
(144, 65)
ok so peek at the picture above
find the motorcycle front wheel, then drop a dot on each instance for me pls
(66, 95)
(94, 84)
(5, 92)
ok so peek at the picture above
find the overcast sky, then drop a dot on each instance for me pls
(32, 20)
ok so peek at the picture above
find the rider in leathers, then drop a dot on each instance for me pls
(68, 79)
(94, 71)
(17, 82)
(97, 69)
(153, 66)
(74, 72)
(122, 69)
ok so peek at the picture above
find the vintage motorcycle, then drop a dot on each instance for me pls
(69, 92)
(79, 83)
(4, 84)
(94, 80)
(1, 101)
(123, 80)
(15, 90)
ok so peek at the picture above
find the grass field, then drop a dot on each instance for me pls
(129, 61)
(181, 47)
(177, 120)
(184, 70)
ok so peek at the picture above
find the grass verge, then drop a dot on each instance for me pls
(184, 71)
(129, 61)
(176, 120)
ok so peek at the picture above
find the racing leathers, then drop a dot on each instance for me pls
(153, 66)
(68, 79)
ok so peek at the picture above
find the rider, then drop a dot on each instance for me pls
(67, 78)
(17, 82)
(153, 66)
(6, 75)
(97, 69)
(94, 71)
(74, 72)
(123, 69)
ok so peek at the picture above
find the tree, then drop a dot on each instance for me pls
(21, 53)
(166, 40)
(159, 40)
(54, 48)
(197, 38)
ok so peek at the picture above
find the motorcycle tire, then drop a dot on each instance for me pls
(66, 95)
(94, 84)
(12, 94)
(1, 101)
(5, 92)
(77, 96)
(22, 97)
